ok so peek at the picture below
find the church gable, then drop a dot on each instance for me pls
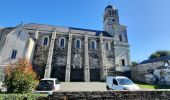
(15, 45)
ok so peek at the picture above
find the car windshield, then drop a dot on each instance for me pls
(46, 82)
(45, 85)
(124, 81)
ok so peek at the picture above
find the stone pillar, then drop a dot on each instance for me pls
(86, 60)
(129, 60)
(103, 70)
(50, 55)
(67, 75)
(29, 49)
(36, 33)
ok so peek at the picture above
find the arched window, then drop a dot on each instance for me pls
(93, 44)
(78, 44)
(107, 46)
(62, 42)
(45, 41)
(120, 37)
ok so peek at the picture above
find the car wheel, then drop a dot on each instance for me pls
(107, 88)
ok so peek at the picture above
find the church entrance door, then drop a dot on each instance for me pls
(77, 74)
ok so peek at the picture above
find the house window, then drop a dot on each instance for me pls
(14, 54)
(45, 42)
(78, 43)
(107, 46)
(123, 62)
(120, 37)
(93, 44)
(19, 33)
(62, 42)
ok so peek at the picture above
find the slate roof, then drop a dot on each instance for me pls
(34, 26)
(165, 58)
(98, 32)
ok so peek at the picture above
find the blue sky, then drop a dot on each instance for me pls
(148, 21)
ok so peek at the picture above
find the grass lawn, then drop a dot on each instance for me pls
(149, 86)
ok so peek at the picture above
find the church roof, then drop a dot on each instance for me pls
(98, 32)
(110, 6)
(165, 58)
(44, 27)
(7, 30)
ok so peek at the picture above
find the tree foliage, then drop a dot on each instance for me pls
(159, 53)
(20, 77)
(134, 63)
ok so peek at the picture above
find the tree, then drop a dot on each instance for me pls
(20, 77)
(134, 63)
(159, 53)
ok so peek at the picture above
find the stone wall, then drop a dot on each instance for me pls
(40, 59)
(139, 72)
(110, 95)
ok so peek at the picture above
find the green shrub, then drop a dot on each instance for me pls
(20, 77)
(21, 96)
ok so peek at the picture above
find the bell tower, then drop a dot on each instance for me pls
(110, 18)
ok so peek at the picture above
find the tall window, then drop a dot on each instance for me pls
(45, 41)
(62, 43)
(78, 44)
(19, 33)
(107, 46)
(123, 62)
(14, 54)
(93, 44)
(120, 37)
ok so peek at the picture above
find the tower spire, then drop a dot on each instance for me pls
(110, 18)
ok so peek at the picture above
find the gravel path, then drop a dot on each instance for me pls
(83, 86)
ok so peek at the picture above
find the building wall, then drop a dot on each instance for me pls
(3, 34)
(14, 41)
(121, 53)
(138, 72)
(40, 54)
(77, 56)
(30, 49)
(59, 62)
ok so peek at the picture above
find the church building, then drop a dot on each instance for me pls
(68, 53)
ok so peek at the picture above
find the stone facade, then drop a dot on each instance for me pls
(153, 71)
(75, 54)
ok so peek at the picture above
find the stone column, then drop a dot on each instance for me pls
(86, 60)
(36, 33)
(50, 55)
(67, 75)
(129, 60)
(103, 70)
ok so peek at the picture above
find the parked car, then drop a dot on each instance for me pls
(48, 86)
(120, 83)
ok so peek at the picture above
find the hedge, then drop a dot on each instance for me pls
(21, 96)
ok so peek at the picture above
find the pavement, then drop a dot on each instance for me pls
(83, 86)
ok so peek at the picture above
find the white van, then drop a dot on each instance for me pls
(48, 85)
(120, 83)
